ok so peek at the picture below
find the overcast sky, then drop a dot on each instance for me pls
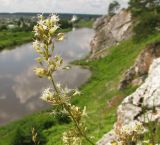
(55, 6)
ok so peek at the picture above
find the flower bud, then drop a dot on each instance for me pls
(60, 36)
(41, 72)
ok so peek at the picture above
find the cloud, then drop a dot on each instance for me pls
(53, 6)
(5, 2)
(26, 87)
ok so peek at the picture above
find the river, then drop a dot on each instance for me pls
(20, 89)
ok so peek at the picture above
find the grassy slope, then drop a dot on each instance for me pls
(100, 88)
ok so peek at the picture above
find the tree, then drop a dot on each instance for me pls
(64, 23)
(113, 8)
(137, 7)
(146, 14)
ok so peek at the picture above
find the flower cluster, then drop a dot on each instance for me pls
(61, 97)
(45, 31)
(72, 137)
(77, 113)
(131, 133)
(134, 126)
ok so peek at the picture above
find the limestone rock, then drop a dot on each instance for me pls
(132, 108)
(139, 71)
(110, 31)
(107, 138)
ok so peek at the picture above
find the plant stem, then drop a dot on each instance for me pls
(70, 113)
(76, 124)
(54, 85)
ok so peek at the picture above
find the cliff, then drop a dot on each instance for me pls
(132, 108)
(137, 73)
(110, 31)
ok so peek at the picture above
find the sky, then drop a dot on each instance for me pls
(58, 6)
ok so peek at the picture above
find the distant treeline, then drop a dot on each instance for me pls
(62, 15)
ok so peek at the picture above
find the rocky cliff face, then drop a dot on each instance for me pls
(110, 31)
(132, 108)
(139, 71)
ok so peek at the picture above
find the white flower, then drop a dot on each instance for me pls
(77, 92)
(41, 22)
(44, 27)
(58, 85)
(53, 29)
(46, 95)
(54, 18)
(36, 44)
(134, 126)
(60, 36)
(66, 90)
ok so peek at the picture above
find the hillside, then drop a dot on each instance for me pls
(100, 95)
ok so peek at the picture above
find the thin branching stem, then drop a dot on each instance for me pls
(44, 31)
(70, 113)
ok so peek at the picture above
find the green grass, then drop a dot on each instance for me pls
(101, 87)
(8, 39)
(12, 38)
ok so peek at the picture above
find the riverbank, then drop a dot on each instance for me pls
(9, 39)
(96, 95)
(84, 23)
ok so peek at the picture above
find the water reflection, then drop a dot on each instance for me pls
(20, 88)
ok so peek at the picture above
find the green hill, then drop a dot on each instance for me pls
(102, 86)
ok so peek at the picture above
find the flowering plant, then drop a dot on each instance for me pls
(130, 134)
(45, 31)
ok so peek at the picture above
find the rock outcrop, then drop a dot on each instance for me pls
(138, 72)
(110, 31)
(143, 105)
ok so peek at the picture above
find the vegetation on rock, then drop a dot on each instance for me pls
(146, 15)
(113, 8)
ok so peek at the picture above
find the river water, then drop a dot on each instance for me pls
(20, 88)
